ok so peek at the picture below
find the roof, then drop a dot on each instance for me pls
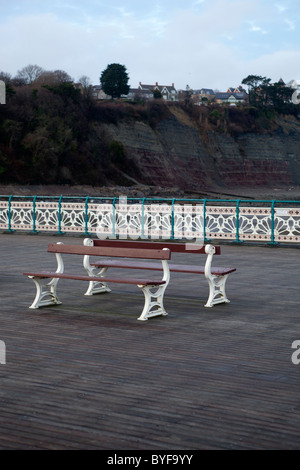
(225, 96)
(169, 88)
(207, 91)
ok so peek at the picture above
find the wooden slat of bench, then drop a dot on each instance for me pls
(180, 268)
(46, 274)
(174, 247)
(110, 251)
(112, 263)
(187, 268)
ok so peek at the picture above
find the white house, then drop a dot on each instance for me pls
(168, 92)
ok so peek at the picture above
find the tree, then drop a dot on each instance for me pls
(264, 93)
(6, 77)
(86, 86)
(279, 94)
(114, 80)
(156, 94)
(66, 90)
(29, 73)
(55, 77)
(257, 88)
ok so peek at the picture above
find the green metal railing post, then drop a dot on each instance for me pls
(172, 220)
(34, 231)
(114, 218)
(59, 232)
(86, 216)
(204, 220)
(9, 214)
(237, 216)
(143, 219)
(272, 242)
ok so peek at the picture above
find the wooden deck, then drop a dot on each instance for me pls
(87, 375)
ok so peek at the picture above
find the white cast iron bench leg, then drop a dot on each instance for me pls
(154, 302)
(217, 293)
(46, 293)
(94, 287)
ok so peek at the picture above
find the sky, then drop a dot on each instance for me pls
(197, 43)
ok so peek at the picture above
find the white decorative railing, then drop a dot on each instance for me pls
(201, 220)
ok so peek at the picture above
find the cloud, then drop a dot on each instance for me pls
(291, 24)
(257, 29)
(281, 8)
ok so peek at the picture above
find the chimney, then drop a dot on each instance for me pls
(156, 84)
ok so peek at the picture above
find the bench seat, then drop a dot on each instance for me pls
(180, 268)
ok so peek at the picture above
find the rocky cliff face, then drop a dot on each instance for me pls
(180, 153)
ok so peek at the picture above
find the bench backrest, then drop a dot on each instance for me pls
(173, 247)
(111, 251)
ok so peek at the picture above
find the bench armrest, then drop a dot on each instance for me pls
(210, 251)
(86, 259)
(60, 264)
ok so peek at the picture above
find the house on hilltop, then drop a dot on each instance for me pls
(98, 93)
(138, 93)
(168, 92)
(232, 98)
(202, 95)
(144, 92)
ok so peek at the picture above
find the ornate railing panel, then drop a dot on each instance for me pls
(201, 220)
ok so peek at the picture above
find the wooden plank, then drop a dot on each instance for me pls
(173, 246)
(47, 274)
(110, 251)
(179, 268)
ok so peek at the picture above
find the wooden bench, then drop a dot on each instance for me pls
(46, 292)
(216, 276)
